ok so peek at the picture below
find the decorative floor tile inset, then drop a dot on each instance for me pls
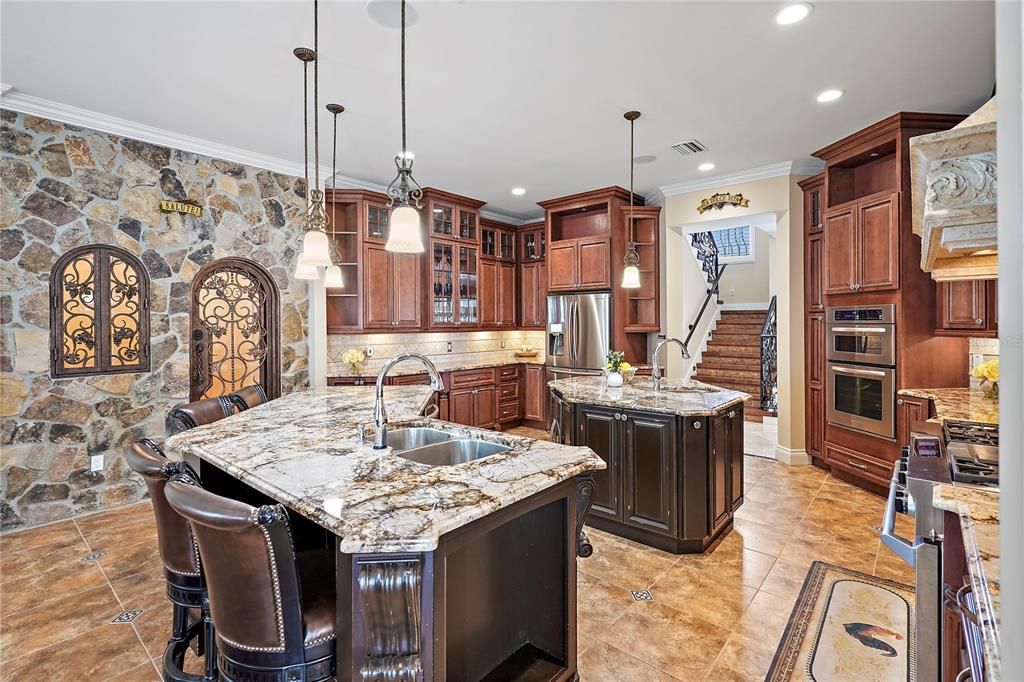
(642, 595)
(93, 556)
(127, 616)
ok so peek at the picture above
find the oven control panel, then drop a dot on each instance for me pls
(884, 313)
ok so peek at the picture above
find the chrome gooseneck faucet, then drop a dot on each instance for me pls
(656, 370)
(380, 414)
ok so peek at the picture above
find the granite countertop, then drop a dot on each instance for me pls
(965, 404)
(443, 364)
(702, 400)
(979, 520)
(302, 450)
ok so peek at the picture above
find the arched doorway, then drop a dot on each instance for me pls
(235, 329)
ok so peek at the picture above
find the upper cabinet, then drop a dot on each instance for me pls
(862, 245)
(451, 216)
(497, 241)
(355, 218)
(532, 276)
(966, 308)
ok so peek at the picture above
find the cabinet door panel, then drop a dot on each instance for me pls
(461, 406)
(718, 483)
(540, 292)
(507, 295)
(840, 247)
(599, 431)
(407, 282)
(815, 349)
(736, 457)
(908, 411)
(563, 266)
(962, 305)
(488, 293)
(814, 274)
(595, 264)
(486, 400)
(649, 454)
(376, 287)
(534, 393)
(878, 243)
(528, 300)
(815, 429)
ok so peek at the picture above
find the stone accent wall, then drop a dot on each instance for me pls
(64, 186)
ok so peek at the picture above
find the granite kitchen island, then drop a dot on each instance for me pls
(463, 571)
(674, 458)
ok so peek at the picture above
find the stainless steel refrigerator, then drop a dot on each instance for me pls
(579, 334)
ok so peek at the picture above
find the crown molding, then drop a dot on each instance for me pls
(11, 98)
(799, 167)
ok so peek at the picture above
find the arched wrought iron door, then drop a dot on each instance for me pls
(235, 335)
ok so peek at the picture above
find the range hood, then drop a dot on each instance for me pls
(953, 179)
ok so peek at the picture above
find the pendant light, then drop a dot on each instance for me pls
(315, 246)
(333, 278)
(304, 268)
(405, 233)
(631, 273)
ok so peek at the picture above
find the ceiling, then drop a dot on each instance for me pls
(504, 94)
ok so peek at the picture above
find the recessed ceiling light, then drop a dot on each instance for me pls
(518, 191)
(790, 14)
(641, 159)
(830, 95)
(388, 13)
(706, 166)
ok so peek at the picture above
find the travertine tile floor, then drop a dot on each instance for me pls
(717, 616)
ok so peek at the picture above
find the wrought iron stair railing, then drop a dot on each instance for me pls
(769, 361)
(706, 251)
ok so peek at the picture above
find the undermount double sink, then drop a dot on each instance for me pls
(437, 448)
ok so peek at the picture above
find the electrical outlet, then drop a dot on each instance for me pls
(449, 346)
(96, 463)
(976, 359)
(368, 351)
(503, 343)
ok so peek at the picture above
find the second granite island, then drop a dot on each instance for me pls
(674, 458)
(444, 572)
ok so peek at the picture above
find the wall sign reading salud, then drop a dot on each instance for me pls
(180, 207)
(721, 199)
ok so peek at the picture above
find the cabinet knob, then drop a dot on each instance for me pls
(979, 322)
(899, 401)
(696, 424)
(852, 287)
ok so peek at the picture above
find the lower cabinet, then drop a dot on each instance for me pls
(474, 406)
(671, 482)
(909, 410)
(534, 391)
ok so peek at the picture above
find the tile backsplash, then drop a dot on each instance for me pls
(982, 350)
(483, 346)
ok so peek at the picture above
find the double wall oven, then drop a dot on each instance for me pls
(861, 372)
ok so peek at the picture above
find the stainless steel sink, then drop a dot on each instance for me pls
(453, 452)
(407, 439)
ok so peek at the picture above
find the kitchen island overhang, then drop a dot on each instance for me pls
(675, 470)
(450, 572)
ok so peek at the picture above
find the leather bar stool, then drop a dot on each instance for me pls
(179, 553)
(274, 608)
(250, 396)
(185, 416)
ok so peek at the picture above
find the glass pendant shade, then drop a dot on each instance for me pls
(631, 277)
(316, 248)
(333, 278)
(304, 269)
(405, 235)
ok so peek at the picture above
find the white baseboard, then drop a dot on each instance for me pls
(792, 457)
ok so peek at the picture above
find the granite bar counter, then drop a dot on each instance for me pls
(979, 522)
(962, 404)
(691, 398)
(432, 561)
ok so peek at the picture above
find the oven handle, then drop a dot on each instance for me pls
(864, 372)
(860, 330)
(904, 549)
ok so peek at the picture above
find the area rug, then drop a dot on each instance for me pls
(848, 626)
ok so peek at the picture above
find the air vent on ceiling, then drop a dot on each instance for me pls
(689, 147)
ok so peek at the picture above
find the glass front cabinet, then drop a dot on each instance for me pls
(454, 286)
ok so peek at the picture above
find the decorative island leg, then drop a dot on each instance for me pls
(390, 594)
(585, 489)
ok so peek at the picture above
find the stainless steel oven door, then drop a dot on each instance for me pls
(862, 398)
(874, 344)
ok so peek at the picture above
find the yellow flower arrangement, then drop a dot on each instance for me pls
(987, 371)
(354, 358)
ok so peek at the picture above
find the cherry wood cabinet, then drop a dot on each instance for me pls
(814, 277)
(497, 240)
(453, 285)
(580, 264)
(966, 308)
(862, 246)
(563, 267)
(497, 286)
(910, 409)
(814, 307)
(841, 251)
(506, 295)
(534, 393)
(474, 406)
(393, 295)
(533, 288)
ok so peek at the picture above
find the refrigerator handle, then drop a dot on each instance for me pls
(575, 317)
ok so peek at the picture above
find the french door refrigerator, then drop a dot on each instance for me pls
(579, 334)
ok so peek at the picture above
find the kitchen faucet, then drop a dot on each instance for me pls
(380, 414)
(656, 370)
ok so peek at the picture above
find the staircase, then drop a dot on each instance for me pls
(733, 358)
